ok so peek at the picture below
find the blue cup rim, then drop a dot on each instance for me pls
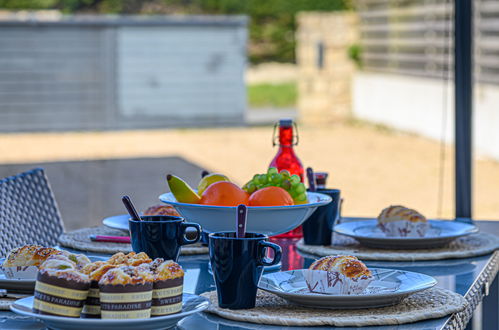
(261, 236)
(172, 218)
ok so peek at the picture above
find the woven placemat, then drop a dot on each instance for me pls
(273, 310)
(79, 240)
(463, 247)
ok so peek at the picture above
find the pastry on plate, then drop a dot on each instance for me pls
(28, 255)
(161, 210)
(60, 289)
(23, 262)
(338, 275)
(126, 293)
(168, 277)
(400, 221)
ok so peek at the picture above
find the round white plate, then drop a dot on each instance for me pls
(441, 232)
(270, 220)
(389, 287)
(117, 222)
(190, 304)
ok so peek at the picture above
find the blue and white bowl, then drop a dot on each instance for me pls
(269, 220)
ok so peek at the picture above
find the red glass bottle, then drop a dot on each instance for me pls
(286, 159)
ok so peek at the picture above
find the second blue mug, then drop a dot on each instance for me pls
(237, 265)
(161, 236)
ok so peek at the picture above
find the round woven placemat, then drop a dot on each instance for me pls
(271, 309)
(463, 247)
(79, 240)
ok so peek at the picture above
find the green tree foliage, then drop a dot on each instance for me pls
(272, 22)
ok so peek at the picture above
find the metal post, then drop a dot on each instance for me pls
(463, 63)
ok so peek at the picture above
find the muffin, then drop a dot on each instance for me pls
(126, 293)
(168, 277)
(94, 271)
(338, 275)
(400, 221)
(131, 259)
(60, 289)
(78, 260)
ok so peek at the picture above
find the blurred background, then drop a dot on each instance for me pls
(109, 96)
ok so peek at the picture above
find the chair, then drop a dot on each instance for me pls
(28, 211)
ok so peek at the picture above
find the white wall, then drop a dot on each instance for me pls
(417, 105)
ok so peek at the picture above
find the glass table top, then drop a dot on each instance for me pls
(457, 275)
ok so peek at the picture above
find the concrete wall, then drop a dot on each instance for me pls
(324, 69)
(416, 105)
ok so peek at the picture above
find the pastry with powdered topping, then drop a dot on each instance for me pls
(400, 221)
(338, 275)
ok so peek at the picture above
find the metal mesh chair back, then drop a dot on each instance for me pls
(28, 211)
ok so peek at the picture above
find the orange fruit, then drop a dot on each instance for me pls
(224, 193)
(270, 196)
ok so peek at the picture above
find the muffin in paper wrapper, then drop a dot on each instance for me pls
(404, 228)
(335, 283)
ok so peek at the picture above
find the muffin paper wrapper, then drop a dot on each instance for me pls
(167, 296)
(332, 282)
(125, 301)
(24, 273)
(59, 296)
(91, 309)
(404, 228)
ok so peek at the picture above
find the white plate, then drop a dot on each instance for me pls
(389, 287)
(190, 304)
(441, 232)
(270, 220)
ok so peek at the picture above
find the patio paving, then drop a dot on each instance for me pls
(374, 167)
(88, 191)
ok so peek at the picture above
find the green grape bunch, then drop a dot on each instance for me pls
(291, 183)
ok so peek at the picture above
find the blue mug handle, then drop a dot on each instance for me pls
(184, 226)
(262, 259)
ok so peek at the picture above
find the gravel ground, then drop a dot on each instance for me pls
(373, 167)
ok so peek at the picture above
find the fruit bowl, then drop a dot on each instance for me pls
(270, 220)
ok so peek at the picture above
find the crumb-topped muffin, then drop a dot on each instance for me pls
(29, 255)
(60, 289)
(167, 288)
(401, 221)
(338, 275)
(126, 293)
(131, 259)
(94, 271)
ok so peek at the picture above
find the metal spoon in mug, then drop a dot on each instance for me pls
(242, 213)
(130, 208)
(311, 179)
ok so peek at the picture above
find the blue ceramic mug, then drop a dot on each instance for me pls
(317, 229)
(237, 265)
(161, 236)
